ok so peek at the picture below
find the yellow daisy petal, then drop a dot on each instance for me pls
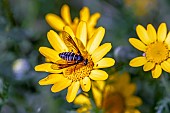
(168, 59)
(90, 32)
(162, 31)
(100, 52)
(60, 85)
(51, 79)
(49, 53)
(82, 99)
(98, 75)
(93, 19)
(47, 68)
(165, 66)
(84, 14)
(138, 61)
(70, 32)
(157, 71)
(85, 84)
(96, 39)
(143, 35)
(133, 101)
(104, 63)
(123, 79)
(83, 109)
(129, 90)
(65, 13)
(56, 41)
(72, 91)
(55, 21)
(76, 21)
(167, 40)
(148, 66)
(132, 110)
(100, 84)
(81, 32)
(151, 32)
(97, 88)
(138, 44)
(47, 60)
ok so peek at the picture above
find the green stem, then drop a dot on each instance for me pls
(8, 12)
(165, 84)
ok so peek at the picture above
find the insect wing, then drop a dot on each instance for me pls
(72, 68)
(70, 42)
(82, 49)
(67, 71)
(60, 64)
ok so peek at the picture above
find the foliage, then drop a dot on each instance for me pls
(23, 30)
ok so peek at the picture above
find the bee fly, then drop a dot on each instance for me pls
(70, 56)
(75, 56)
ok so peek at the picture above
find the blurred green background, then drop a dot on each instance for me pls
(23, 30)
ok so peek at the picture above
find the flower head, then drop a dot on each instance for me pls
(115, 96)
(76, 75)
(155, 48)
(59, 23)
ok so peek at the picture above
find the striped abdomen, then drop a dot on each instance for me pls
(70, 56)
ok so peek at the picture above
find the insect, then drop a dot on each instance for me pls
(75, 57)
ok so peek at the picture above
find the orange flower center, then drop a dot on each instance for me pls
(114, 103)
(157, 52)
(79, 71)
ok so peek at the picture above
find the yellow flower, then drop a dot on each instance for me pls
(83, 75)
(84, 101)
(155, 48)
(115, 96)
(58, 23)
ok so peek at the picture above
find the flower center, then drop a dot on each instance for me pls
(157, 52)
(114, 103)
(79, 71)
